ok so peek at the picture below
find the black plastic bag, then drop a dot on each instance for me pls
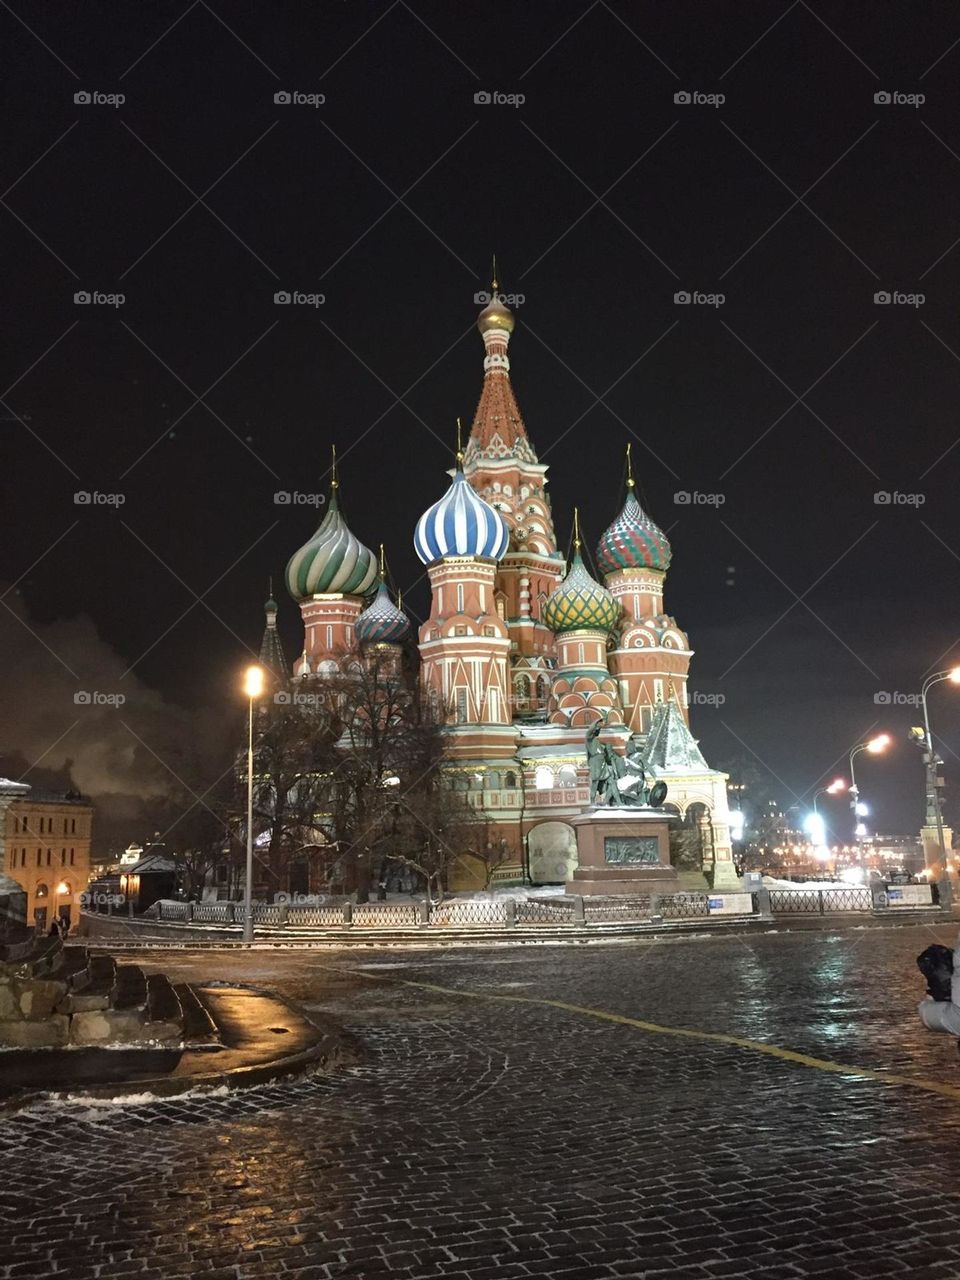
(936, 965)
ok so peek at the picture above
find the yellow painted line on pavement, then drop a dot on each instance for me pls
(687, 1033)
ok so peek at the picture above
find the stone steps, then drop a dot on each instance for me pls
(199, 1029)
(164, 1012)
(129, 990)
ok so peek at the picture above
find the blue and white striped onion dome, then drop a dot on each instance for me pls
(382, 622)
(332, 562)
(461, 524)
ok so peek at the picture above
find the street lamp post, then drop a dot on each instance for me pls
(933, 782)
(253, 688)
(874, 746)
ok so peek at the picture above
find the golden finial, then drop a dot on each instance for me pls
(630, 481)
(459, 444)
(334, 482)
(576, 529)
(399, 599)
(383, 561)
(494, 283)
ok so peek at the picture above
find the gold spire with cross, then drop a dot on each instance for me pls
(459, 444)
(576, 529)
(334, 482)
(630, 479)
(494, 282)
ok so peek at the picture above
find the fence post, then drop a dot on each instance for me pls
(764, 909)
(579, 917)
(510, 912)
(347, 914)
(655, 913)
(284, 913)
(946, 894)
(189, 912)
(231, 913)
(130, 908)
(423, 917)
(820, 900)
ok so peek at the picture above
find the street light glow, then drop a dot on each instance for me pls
(879, 743)
(838, 785)
(253, 682)
(955, 675)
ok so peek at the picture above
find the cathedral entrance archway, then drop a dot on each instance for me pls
(553, 852)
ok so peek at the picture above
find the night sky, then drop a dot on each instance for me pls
(798, 198)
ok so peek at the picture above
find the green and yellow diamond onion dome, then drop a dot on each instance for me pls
(633, 541)
(580, 603)
(334, 561)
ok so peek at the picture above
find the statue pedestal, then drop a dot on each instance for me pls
(623, 852)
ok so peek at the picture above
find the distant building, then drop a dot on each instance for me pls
(47, 840)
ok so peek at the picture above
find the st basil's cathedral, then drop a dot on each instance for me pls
(521, 650)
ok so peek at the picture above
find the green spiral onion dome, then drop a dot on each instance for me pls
(633, 541)
(580, 603)
(332, 562)
(382, 622)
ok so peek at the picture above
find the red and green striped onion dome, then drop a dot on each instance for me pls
(333, 562)
(580, 603)
(382, 622)
(633, 541)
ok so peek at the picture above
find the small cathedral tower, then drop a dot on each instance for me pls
(464, 644)
(651, 655)
(329, 577)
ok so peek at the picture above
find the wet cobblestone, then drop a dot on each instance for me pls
(482, 1139)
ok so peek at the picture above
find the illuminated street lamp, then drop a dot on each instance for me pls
(835, 787)
(253, 688)
(931, 761)
(874, 746)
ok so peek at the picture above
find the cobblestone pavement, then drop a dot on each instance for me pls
(492, 1140)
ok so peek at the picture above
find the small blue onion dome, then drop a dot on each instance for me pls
(461, 524)
(382, 622)
(333, 562)
(580, 603)
(633, 541)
